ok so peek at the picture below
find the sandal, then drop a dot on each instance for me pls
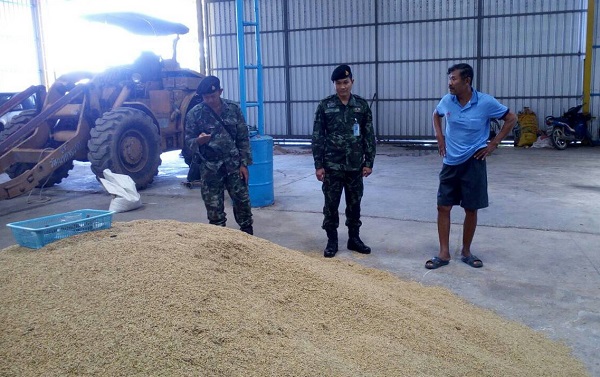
(472, 261)
(436, 262)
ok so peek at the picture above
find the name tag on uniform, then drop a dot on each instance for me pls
(334, 110)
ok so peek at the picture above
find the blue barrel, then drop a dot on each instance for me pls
(261, 171)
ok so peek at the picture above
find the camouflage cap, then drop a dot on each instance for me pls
(208, 85)
(341, 72)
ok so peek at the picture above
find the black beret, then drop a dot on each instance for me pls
(341, 72)
(208, 85)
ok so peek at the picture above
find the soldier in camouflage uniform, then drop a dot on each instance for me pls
(343, 146)
(217, 133)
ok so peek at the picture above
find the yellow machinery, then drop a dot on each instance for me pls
(121, 119)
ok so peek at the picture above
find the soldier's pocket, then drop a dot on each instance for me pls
(356, 156)
(331, 114)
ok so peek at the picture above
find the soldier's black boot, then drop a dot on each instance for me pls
(356, 244)
(248, 229)
(332, 244)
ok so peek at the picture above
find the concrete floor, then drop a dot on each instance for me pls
(539, 239)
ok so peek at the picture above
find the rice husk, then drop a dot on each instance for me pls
(188, 299)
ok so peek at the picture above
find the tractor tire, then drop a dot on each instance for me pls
(11, 127)
(17, 169)
(54, 178)
(125, 141)
(16, 123)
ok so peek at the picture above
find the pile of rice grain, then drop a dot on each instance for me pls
(171, 298)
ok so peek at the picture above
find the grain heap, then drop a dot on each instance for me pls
(171, 298)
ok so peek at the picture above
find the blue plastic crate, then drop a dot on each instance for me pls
(36, 233)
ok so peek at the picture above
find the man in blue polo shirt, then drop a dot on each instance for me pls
(464, 147)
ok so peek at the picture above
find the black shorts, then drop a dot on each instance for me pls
(464, 185)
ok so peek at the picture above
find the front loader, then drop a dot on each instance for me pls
(121, 119)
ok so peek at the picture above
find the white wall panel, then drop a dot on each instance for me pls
(414, 10)
(220, 17)
(223, 52)
(502, 7)
(411, 118)
(332, 46)
(540, 77)
(428, 81)
(274, 88)
(428, 40)
(303, 117)
(273, 49)
(308, 14)
(532, 35)
(276, 125)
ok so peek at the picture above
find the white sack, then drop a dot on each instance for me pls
(122, 187)
(542, 142)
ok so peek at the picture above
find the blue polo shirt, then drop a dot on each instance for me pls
(468, 127)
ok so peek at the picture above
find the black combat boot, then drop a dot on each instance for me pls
(356, 244)
(248, 229)
(332, 244)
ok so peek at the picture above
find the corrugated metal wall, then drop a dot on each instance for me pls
(526, 53)
(595, 79)
(532, 54)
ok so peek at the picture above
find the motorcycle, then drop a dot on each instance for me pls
(496, 127)
(568, 128)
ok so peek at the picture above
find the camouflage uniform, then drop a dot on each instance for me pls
(221, 158)
(343, 155)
